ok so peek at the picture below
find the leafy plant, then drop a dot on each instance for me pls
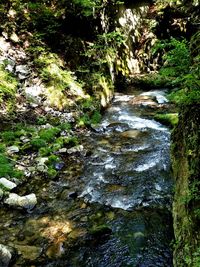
(8, 86)
(176, 58)
(38, 143)
(8, 136)
(6, 168)
(169, 119)
(49, 134)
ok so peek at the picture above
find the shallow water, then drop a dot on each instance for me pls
(121, 215)
(130, 170)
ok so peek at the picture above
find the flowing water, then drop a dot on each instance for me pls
(119, 214)
(130, 170)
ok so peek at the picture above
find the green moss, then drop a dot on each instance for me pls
(8, 86)
(71, 141)
(45, 151)
(84, 121)
(38, 143)
(49, 134)
(59, 81)
(100, 230)
(52, 173)
(65, 126)
(169, 119)
(8, 136)
(2, 148)
(41, 120)
(6, 168)
(52, 160)
(96, 117)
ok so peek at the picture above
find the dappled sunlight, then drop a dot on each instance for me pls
(49, 228)
(106, 93)
(54, 230)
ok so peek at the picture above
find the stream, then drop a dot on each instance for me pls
(110, 209)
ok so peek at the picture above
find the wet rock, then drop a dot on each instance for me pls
(7, 184)
(62, 150)
(29, 252)
(42, 168)
(12, 149)
(73, 195)
(59, 165)
(14, 38)
(34, 91)
(27, 202)
(24, 139)
(10, 65)
(75, 149)
(100, 230)
(55, 250)
(159, 96)
(118, 127)
(23, 69)
(130, 133)
(97, 128)
(5, 256)
(41, 161)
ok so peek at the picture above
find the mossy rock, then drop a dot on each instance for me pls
(169, 119)
(100, 230)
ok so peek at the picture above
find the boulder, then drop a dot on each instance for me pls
(7, 184)
(27, 202)
(75, 149)
(5, 256)
(12, 149)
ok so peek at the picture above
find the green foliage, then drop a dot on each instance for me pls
(52, 173)
(65, 126)
(6, 168)
(90, 108)
(96, 117)
(60, 82)
(71, 141)
(84, 120)
(8, 87)
(44, 151)
(49, 134)
(182, 69)
(38, 143)
(41, 120)
(169, 119)
(52, 160)
(176, 57)
(85, 7)
(8, 136)
(104, 50)
(2, 148)
(43, 19)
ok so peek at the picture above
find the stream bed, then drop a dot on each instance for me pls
(110, 208)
